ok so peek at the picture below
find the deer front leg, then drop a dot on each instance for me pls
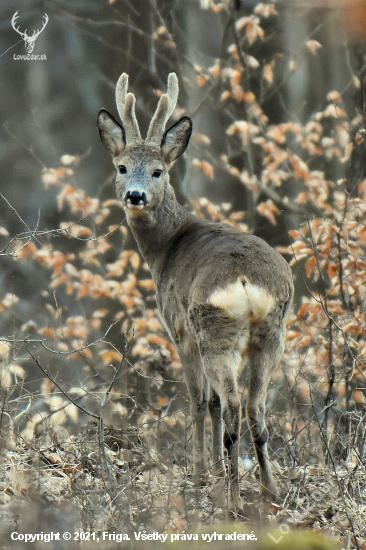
(198, 414)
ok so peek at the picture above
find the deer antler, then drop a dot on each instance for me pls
(13, 21)
(126, 110)
(163, 111)
(37, 33)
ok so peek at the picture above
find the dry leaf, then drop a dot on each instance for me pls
(313, 46)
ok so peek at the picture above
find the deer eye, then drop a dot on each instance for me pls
(122, 169)
(157, 173)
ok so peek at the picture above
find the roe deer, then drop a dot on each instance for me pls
(223, 295)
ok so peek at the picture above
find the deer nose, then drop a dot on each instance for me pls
(136, 198)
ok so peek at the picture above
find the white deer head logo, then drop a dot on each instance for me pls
(28, 40)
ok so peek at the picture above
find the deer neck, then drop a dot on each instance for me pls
(155, 230)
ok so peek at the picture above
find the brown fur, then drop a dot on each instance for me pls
(224, 295)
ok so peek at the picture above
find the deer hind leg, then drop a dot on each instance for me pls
(221, 340)
(264, 357)
(221, 373)
(214, 407)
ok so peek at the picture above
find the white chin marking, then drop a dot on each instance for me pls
(135, 206)
(243, 299)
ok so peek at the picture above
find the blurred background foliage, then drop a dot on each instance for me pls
(277, 97)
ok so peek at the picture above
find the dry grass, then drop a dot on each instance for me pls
(76, 483)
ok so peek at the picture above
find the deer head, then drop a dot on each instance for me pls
(143, 165)
(28, 40)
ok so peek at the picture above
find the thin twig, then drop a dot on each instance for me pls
(335, 471)
(46, 373)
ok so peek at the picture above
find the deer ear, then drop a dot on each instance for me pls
(111, 133)
(175, 140)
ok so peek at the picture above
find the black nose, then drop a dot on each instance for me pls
(135, 197)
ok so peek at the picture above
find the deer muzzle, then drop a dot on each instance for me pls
(136, 200)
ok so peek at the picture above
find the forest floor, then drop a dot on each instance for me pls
(106, 491)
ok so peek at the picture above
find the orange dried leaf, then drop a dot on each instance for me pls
(295, 234)
(205, 166)
(217, 8)
(313, 46)
(265, 10)
(302, 198)
(83, 291)
(360, 137)
(159, 340)
(110, 355)
(277, 133)
(159, 31)
(268, 72)
(70, 288)
(67, 190)
(147, 283)
(47, 387)
(292, 65)
(254, 31)
(310, 265)
(155, 339)
(135, 261)
(304, 309)
(235, 78)
(301, 168)
(128, 301)
(334, 96)
(233, 50)
(249, 97)
(333, 111)
(60, 281)
(202, 80)
(54, 458)
(140, 324)
(292, 334)
(177, 502)
(252, 27)
(252, 62)
(333, 270)
(284, 249)
(269, 210)
(28, 251)
(88, 353)
(215, 69)
(359, 396)
(48, 332)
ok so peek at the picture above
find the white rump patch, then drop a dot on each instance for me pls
(243, 299)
